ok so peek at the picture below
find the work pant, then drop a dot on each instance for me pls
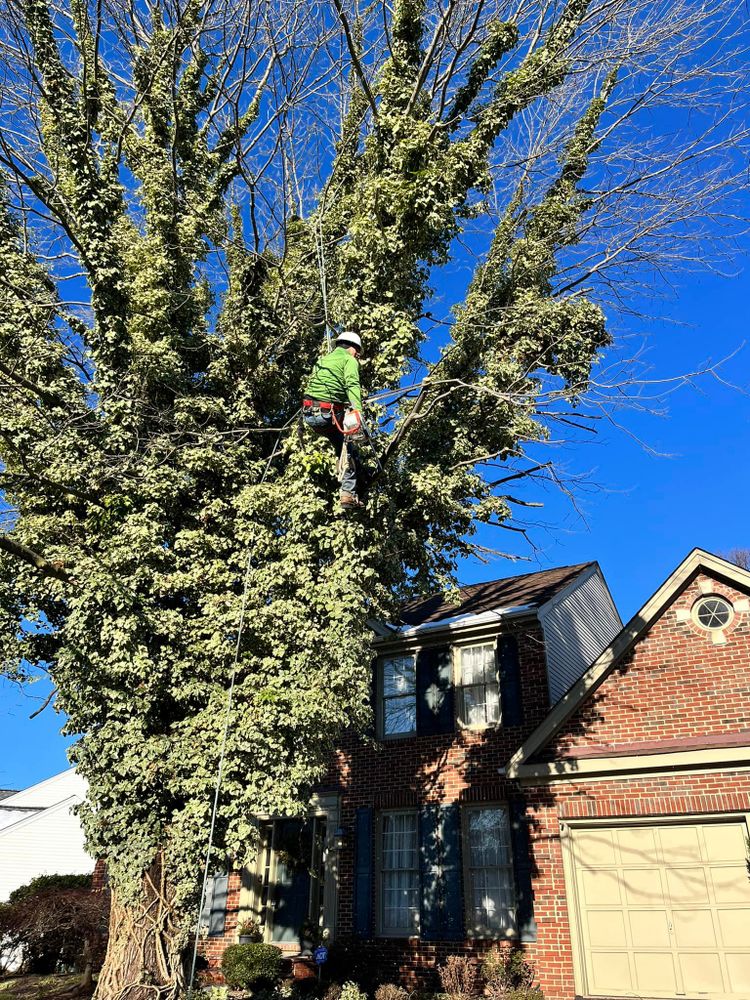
(321, 421)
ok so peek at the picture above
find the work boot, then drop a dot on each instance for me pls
(349, 500)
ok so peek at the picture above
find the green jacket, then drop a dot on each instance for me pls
(335, 379)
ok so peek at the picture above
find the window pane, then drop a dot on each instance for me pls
(400, 715)
(488, 838)
(400, 872)
(399, 676)
(492, 899)
(481, 700)
(490, 871)
(492, 702)
(474, 709)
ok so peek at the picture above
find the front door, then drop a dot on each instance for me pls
(292, 877)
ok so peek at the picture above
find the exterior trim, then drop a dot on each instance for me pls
(638, 625)
(38, 813)
(723, 758)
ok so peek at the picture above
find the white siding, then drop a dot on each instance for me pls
(45, 843)
(49, 792)
(578, 624)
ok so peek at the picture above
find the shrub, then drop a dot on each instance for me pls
(457, 977)
(333, 992)
(245, 965)
(389, 991)
(510, 976)
(51, 923)
(350, 991)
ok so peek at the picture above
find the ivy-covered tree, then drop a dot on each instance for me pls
(192, 190)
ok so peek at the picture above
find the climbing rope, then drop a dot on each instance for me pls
(227, 721)
(323, 278)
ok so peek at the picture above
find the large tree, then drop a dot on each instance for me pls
(192, 190)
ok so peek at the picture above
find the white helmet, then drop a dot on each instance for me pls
(350, 338)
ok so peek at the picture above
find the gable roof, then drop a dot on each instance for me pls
(622, 643)
(49, 791)
(5, 792)
(530, 590)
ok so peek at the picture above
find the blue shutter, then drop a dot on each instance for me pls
(363, 873)
(373, 729)
(509, 669)
(519, 838)
(453, 906)
(434, 691)
(429, 871)
(218, 905)
(441, 909)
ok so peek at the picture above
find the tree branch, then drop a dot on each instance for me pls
(54, 569)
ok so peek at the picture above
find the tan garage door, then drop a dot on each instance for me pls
(663, 911)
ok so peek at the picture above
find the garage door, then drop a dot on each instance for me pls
(663, 911)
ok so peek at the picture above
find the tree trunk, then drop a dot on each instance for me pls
(145, 957)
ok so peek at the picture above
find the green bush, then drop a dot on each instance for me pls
(245, 965)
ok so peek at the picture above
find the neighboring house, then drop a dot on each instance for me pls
(415, 845)
(39, 835)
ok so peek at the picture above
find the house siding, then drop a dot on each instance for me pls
(577, 626)
(48, 843)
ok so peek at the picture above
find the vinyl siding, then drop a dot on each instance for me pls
(577, 625)
(45, 843)
(48, 792)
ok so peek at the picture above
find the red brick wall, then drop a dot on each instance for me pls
(675, 684)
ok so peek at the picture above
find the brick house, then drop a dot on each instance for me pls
(538, 775)
(457, 689)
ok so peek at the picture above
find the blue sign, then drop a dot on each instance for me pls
(320, 954)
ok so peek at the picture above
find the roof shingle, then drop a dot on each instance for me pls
(526, 590)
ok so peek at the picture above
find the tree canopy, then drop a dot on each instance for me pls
(192, 193)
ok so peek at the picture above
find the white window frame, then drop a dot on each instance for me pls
(458, 685)
(382, 929)
(472, 928)
(382, 698)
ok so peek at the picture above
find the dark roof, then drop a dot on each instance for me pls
(5, 792)
(529, 589)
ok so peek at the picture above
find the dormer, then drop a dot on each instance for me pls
(447, 666)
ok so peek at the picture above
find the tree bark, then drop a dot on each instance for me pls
(145, 957)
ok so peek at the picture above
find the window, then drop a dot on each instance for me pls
(712, 612)
(479, 702)
(399, 695)
(399, 873)
(490, 892)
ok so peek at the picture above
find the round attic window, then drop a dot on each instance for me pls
(712, 612)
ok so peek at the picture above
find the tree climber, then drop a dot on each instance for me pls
(332, 386)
